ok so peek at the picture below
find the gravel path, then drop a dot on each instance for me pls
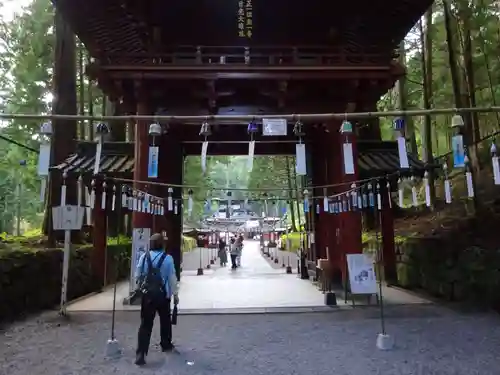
(429, 341)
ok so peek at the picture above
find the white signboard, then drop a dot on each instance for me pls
(140, 244)
(67, 217)
(274, 127)
(361, 274)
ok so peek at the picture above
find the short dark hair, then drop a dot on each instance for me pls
(156, 241)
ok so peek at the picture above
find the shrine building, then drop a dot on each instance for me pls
(249, 57)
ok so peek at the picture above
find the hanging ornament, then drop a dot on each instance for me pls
(354, 197)
(251, 129)
(447, 184)
(348, 154)
(399, 129)
(162, 207)
(79, 192)
(300, 150)
(468, 178)
(345, 205)
(170, 203)
(371, 196)
(495, 164)
(400, 193)
(306, 201)
(379, 197)
(113, 199)
(124, 196)
(103, 196)
(427, 189)
(360, 198)
(63, 189)
(190, 202)
(88, 208)
(92, 194)
(154, 151)
(318, 210)
(130, 199)
(365, 195)
(388, 188)
(205, 132)
(135, 205)
(176, 207)
(140, 198)
(414, 197)
(44, 157)
(457, 142)
(326, 206)
(101, 130)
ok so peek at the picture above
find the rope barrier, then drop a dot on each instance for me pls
(292, 117)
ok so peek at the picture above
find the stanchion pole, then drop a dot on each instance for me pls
(200, 268)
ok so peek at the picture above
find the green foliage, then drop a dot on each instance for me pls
(30, 279)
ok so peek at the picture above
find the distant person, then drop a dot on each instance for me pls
(157, 283)
(222, 253)
(239, 246)
(234, 251)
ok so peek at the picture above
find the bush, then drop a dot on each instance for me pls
(30, 280)
(294, 241)
(188, 243)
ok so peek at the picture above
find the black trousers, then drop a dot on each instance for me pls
(233, 260)
(148, 312)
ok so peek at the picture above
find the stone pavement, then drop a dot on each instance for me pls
(255, 287)
(429, 340)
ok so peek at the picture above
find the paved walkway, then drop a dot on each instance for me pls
(255, 286)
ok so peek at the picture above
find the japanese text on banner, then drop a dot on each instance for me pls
(241, 19)
(249, 18)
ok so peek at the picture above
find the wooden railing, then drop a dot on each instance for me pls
(255, 56)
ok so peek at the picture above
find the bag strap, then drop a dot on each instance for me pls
(162, 259)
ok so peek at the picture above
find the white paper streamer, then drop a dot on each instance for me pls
(496, 170)
(113, 199)
(427, 192)
(326, 206)
(414, 198)
(98, 154)
(204, 148)
(92, 198)
(447, 191)
(403, 154)
(348, 158)
(251, 152)
(63, 194)
(389, 198)
(103, 197)
(300, 159)
(190, 205)
(124, 199)
(79, 187)
(176, 208)
(470, 187)
(400, 194)
(88, 210)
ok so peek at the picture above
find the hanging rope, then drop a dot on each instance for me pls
(232, 118)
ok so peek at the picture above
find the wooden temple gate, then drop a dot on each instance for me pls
(176, 58)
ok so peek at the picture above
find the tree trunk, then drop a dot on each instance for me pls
(427, 90)
(455, 78)
(64, 136)
(81, 91)
(472, 125)
(402, 92)
(90, 98)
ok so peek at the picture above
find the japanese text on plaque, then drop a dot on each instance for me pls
(245, 19)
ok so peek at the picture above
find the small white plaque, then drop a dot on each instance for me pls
(67, 217)
(274, 127)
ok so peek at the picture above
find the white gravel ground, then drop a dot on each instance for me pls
(429, 341)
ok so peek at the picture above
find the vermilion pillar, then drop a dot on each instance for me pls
(141, 151)
(348, 224)
(171, 163)
(333, 176)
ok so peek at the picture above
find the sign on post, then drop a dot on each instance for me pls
(361, 274)
(140, 244)
(66, 218)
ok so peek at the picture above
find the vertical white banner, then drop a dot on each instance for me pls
(300, 159)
